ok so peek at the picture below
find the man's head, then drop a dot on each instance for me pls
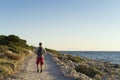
(40, 44)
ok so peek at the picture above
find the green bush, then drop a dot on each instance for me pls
(89, 71)
(14, 43)
(75, 59)
(53, 51)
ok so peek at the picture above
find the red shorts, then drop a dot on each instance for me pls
(40, 60)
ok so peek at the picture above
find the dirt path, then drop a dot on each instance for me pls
(50, 71)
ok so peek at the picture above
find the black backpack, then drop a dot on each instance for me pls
(40, 51)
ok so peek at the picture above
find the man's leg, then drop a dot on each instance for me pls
(37, 62)
(41, 66)
(37, 67)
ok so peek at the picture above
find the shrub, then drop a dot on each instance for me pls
(13, 41)
(75, 59)
(89, 71)
(53, 51)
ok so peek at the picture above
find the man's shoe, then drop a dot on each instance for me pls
(41, 70)
(37, 70)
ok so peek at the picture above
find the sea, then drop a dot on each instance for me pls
(105, 56)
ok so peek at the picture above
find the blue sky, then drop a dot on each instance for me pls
(63, 24)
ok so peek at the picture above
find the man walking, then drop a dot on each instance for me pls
(40, 57)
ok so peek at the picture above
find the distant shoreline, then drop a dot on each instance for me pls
(87, 51)
(106, 56)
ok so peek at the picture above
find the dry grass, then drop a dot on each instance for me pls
(7, 68)
(9, 61)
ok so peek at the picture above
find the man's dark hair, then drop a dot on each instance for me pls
(40, 44)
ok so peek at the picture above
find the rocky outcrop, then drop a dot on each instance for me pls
(81, 68)
(68, 68)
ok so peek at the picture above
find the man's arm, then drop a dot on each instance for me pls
(36, 50)
(44, 50)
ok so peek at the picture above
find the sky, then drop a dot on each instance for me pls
(92, 25)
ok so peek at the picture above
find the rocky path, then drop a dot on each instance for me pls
(50, 71)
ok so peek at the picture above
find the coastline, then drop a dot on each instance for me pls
(103, 56)
(82, 68)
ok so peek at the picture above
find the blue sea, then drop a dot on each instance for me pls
(107, 56)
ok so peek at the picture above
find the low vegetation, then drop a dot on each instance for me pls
(57, 53)
(13, 51)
